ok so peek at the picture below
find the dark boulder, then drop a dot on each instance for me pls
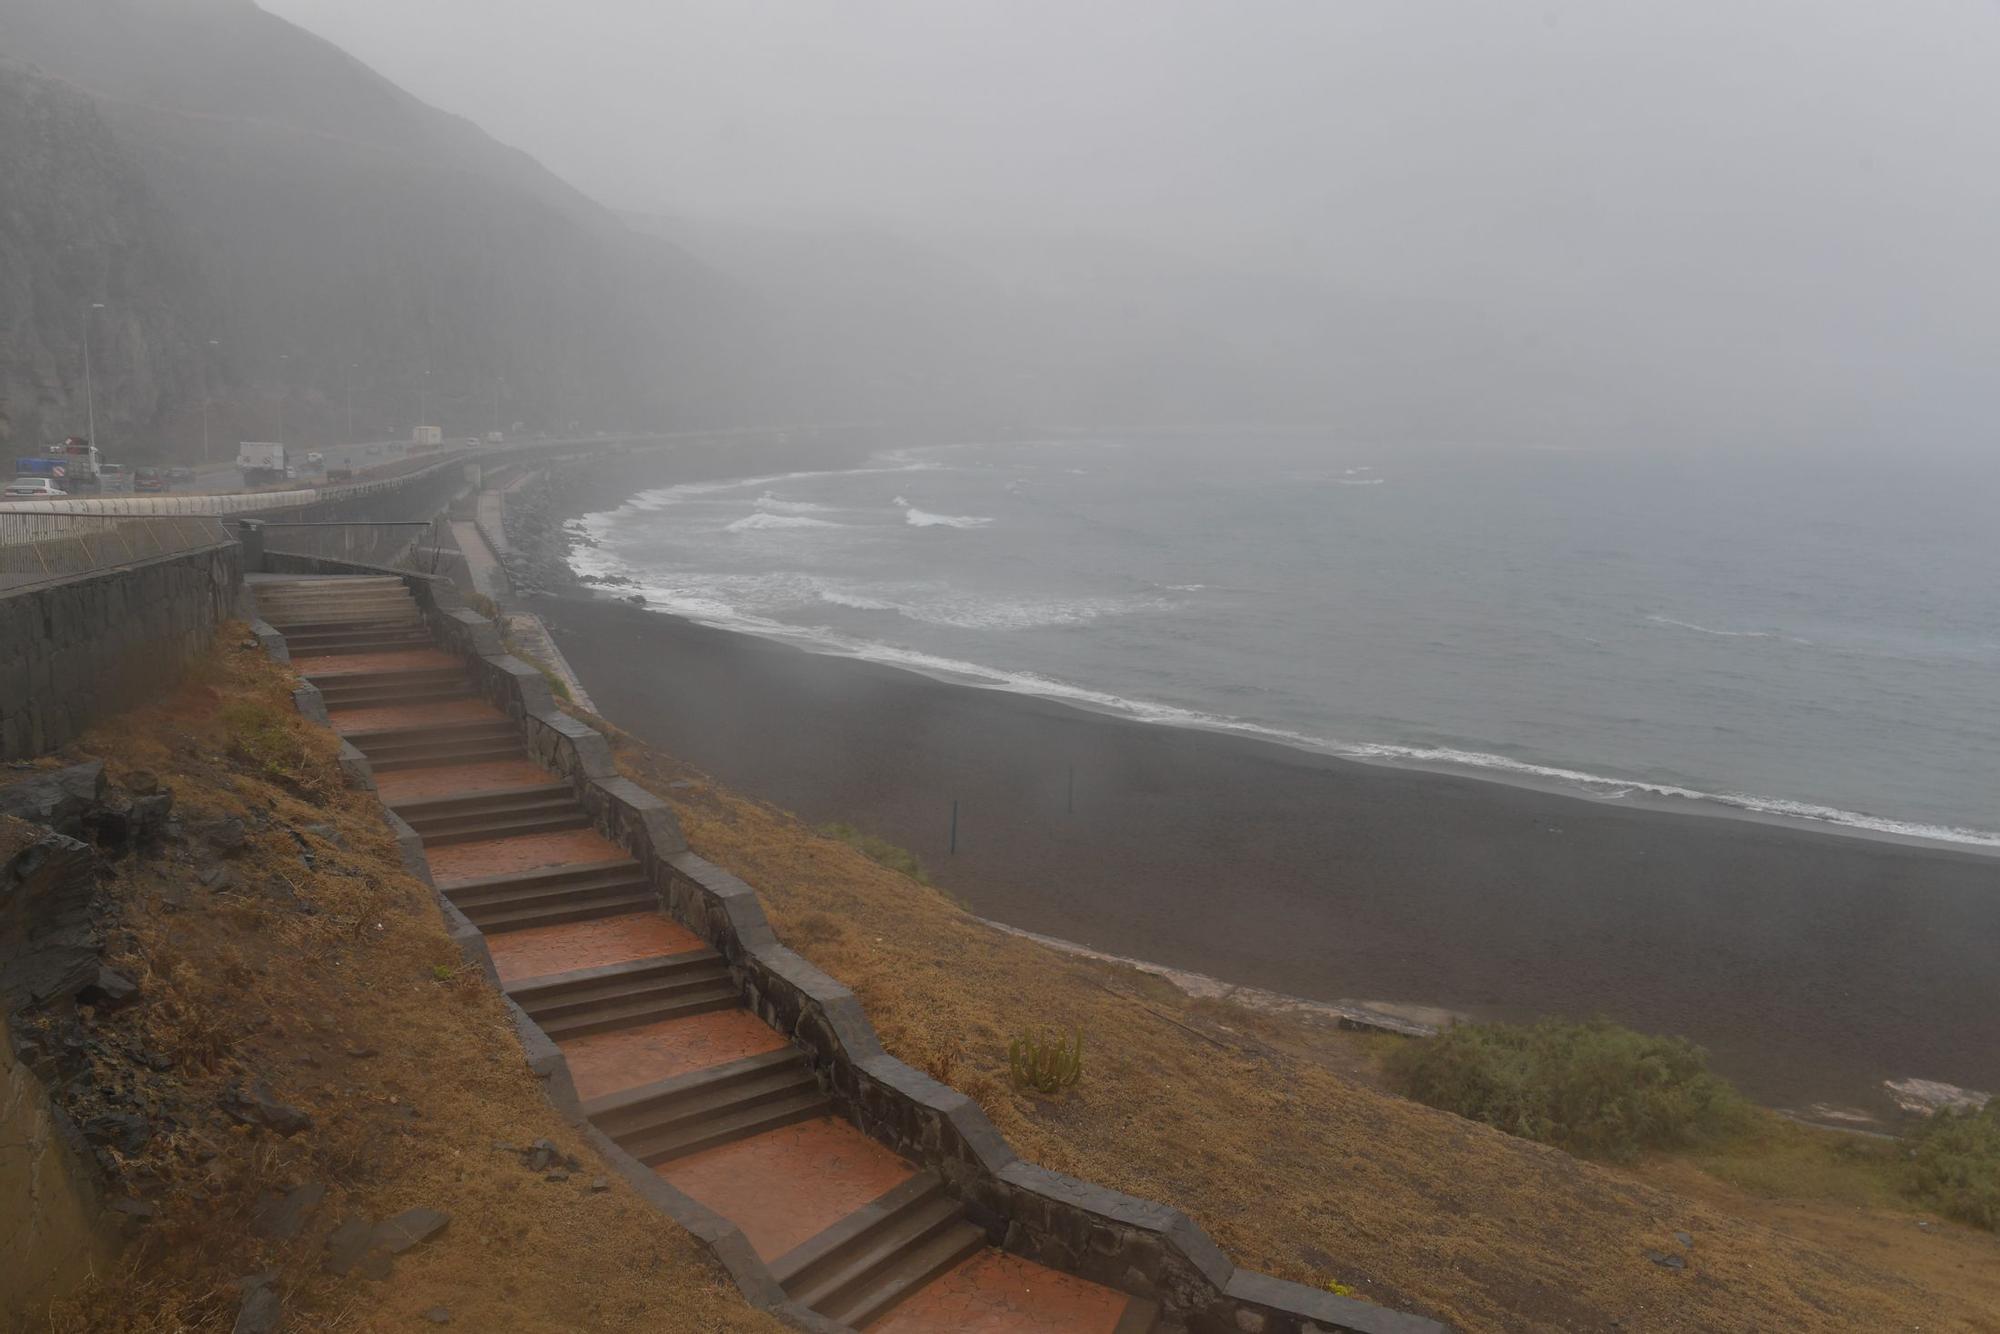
(256, 1106)
(58, 798)
(110, 990)
(48, 943)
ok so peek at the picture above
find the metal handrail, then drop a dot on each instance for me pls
(43, 549)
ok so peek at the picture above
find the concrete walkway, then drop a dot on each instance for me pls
(667, 1060)
(487, 576)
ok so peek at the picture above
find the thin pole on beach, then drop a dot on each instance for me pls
(1069, 800)
(954, 827)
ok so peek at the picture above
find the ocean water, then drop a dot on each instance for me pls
(1814, 637)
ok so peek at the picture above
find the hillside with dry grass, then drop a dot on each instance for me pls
(281, 949)
(1280, 1139)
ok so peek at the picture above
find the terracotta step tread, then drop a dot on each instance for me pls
(549, 881)
(580, 946)
(664, 1146)
(355, 665)
(452, 868)
(495, 921)
(462, 779)
(443, 803)
(847, 1233)
(615, 994)
(997, 1292)
(522, 989)
(449, 755)
(906, 1273)
(718, 994)
(611, 1105)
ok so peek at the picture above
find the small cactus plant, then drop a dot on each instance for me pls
(1047, 1062)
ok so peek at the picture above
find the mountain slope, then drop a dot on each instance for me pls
(351, 235)
(76, 219)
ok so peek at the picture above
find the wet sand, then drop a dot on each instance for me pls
(1811, 965)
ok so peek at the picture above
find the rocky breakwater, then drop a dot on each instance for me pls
(536, 545)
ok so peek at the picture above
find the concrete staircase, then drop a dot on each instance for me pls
(669, 1063)
(862, 1266)
(620, 995)
(524, 899)
(362, 615)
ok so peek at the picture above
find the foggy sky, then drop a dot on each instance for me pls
(1813, 180)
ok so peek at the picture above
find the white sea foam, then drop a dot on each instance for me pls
(860, 601)
(917, 518)
(1657, 619)
(703, 606)
(761, 522)
(1359, 481)
(772, 503)
(939, 604)
(680, 494)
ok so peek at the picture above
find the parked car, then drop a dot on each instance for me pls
(149, 479)
(181, 476)
(315, 461)
(33, 488)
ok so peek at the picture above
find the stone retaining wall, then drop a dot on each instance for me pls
(74, 651)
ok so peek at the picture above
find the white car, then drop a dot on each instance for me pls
(33, 488)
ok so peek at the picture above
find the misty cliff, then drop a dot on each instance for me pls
(211, 172)
(77, 220)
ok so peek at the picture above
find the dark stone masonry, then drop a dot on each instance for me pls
(76, 651)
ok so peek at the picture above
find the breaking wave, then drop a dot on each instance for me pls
(755, 523)
(917, 518)
(1657, 619)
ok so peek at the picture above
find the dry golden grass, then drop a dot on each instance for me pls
(1270, 1134)
(245, 983)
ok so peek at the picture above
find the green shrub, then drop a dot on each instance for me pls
(1047, 1063)
(1592, 1088)
(879, 850)
(1956, 1162)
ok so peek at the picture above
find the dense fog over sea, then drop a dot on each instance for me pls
(1811, 638)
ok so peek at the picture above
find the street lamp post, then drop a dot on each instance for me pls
(353, 367)
(282, 387)
(205, 451)
(89, 392)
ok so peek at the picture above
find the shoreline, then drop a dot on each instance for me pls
(1814, 960)
(1553, 779)
(1813, 966)
(1637, 794)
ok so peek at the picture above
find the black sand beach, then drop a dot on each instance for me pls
(1812, 966)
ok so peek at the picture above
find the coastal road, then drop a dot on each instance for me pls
(226, 478)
